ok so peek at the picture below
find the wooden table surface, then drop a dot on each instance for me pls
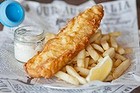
(77, 2)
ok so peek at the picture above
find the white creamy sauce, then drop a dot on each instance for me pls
(23, 52)
(28, 40)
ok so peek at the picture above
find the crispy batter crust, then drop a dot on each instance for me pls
(66, 45)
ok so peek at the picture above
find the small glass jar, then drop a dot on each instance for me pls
(28, 40)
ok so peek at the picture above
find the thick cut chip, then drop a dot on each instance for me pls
(105, 45)
(86, 62)
(121, 50)
(93, 53)
(73, 73)
(66, 77)
(110, 52)
(97, 47)
(82, 71)
(121, 68)
(81, 58)
(95, 36)
(113, 42)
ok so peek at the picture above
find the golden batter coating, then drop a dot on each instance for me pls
(66, 45)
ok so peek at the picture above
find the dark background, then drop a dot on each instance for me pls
(77, 2)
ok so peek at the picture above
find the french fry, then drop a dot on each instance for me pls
(98, 40)
(121, 68)
(113, 42)
(115, 34)
(81, 54)
(81, 58)
(70, 70)
(109, 78)
(97, 47)
(120, 50)
(91, 61)
(86, 62)
(105, 37)
(82, 71)
(121, 57)
(93, 65)
(93, 53)
(66, 77)
(110, 52)
(117, 63)
(95, 36)
(128, 50)
(105, 45)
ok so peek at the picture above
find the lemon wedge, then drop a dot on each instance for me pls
(101, 70)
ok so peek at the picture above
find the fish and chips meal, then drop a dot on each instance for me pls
(80, 52)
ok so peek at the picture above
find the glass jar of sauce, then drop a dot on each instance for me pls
(28, 40)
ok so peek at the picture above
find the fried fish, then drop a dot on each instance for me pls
(61, 49)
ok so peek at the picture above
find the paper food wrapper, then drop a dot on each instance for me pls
(119, 16)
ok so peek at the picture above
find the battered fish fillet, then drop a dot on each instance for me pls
(66, 44)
